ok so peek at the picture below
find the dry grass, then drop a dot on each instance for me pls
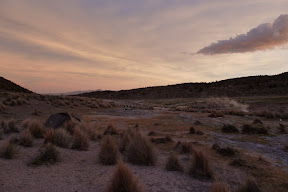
(26, 139)
(2, 107)
(254, 129)
(125, 141)
(48, 155)
(229, 129)
(62, 138)
(109, 153)
(8, 150)
(9, 126)
(192, 130)
(184, 147)
(36, 129)
(70, 126)
(111, 130)
(173, 164)
(123, 180)
(141, 151)
(200, 167)
(166, 139)
(49, 136)
(249, 186)
(80, 140)
(220, 187)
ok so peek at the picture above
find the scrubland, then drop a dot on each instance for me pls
(201, 144)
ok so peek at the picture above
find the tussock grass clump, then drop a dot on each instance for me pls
(62, 138)
(123, 180)
(26, 139)
(70, 126)
(36, 129)
(254, 129)
(141, 151)
(192, 130)
(111, 130)
(220, 187)
(229, 129)
(109, 153)
(282, 129)
(9, 126)
(197, 123)
(166, 139)
(2, 107)
(215, 114)
(184, 147)
(90, 131)
(125, 141)
(25, 123)
(49, 136)
(80, 140)
(173, 163)
(47, 155)
(8, 150)
(249, 186)
(226, 151)
(200, 167)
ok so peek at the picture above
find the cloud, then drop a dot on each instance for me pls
(265, 36)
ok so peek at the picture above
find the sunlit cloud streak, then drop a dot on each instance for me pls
(265, 36)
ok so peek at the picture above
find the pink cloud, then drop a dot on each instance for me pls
(265, 36)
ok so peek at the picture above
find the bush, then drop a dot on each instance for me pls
(254, 129)
(228, 151)
(200, 166)
(48, 155)
(229, 129)
(36, 129)
(80, 140)
(8, 150)
(61, 138)
(249, 186)
(141, 151)
(9, 126)
(192, 130)
(220, 187)
(111, 130)
(123, 180)
(26, 139)
(215, 114)
(125, 141)
(108, 154)
(173, 164)
(184, 147)
(159, 140)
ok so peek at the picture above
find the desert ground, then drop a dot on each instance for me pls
(231, 143)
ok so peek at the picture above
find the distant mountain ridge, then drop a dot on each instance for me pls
(7, 85)
(243, 86)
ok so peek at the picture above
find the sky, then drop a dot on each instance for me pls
(60, 46)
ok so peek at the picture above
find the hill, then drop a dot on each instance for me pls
(6, 85)
(243, 86)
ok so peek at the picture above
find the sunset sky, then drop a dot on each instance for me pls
(51, 46)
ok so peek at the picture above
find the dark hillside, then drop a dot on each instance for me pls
(6, 85)
(243, 86)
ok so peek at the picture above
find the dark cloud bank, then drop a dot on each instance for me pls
(265, 36)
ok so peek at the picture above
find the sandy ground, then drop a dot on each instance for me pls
(81, 171)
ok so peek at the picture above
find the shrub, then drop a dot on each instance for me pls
(192, 130)
(108, 154)
(8, 150)
(36, 129)
(249, 186)
(159, 140)
(141, 151)
(215, 114)
(220, 187)
(48, 155)
(254, 129)
(125, 141)
(62, 138)
(200, 166)
(227, 151)
(80, 140)
(184, 147)
(26, 139)
(229, 129)
(111, 130)
(173, 164)
(70, 126)
(123, 180)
